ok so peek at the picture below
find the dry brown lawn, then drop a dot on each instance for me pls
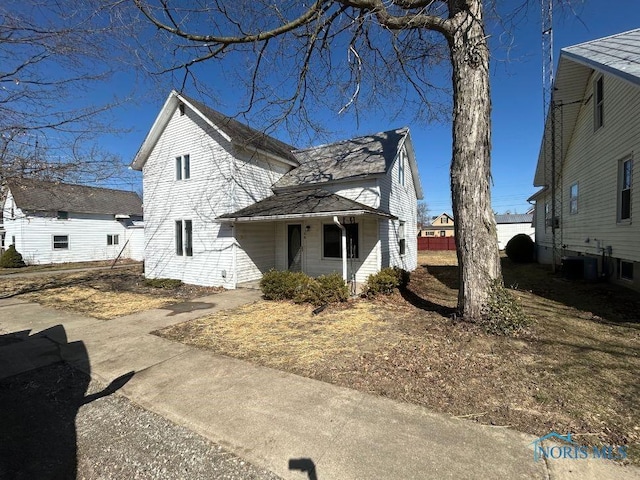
(575, 370)
(103, 294)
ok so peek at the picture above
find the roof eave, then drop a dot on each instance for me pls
(293, 216)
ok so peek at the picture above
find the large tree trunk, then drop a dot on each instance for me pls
(475, 227)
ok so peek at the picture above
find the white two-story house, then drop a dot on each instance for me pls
(589, 205)
(225, 203)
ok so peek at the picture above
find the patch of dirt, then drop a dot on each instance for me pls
(103, 294)
(575, 370)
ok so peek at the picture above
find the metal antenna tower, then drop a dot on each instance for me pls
(551, 151)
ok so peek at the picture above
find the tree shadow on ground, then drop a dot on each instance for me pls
(424, 304)
(607, 302)
(446, 274)
(40, 395)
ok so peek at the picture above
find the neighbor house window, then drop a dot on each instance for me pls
(401, 238)
(113, 239)
(183, 167)
(573, 198)
(625, 171)
(61, 215)
(431, 234)
(184, 237)
(625, 270)
(598, 103)
(442, 233)
(61, 242)
(332, 241)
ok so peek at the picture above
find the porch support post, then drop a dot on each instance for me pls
(343, 246)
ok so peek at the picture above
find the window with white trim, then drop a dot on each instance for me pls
(401, 238)
(573, 198)
(184, 238)
(332, 240)
(113, 239)
(183, 167)
(625, 177)
(61, 242)
(401, 165)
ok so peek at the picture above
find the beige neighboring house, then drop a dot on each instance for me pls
(441, 226)
(589, 206)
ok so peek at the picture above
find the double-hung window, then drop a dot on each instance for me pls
(401, 238)
(184, 237)
(625, 178)
(183, 167)
(61, 242)
(598, 103)
(573, 198)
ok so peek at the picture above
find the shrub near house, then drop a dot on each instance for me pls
(12, 258)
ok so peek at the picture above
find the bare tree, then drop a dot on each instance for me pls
(55, 57)
(398, 41)
(423, 215)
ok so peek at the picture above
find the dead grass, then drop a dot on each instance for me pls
(576, 370)
(103, 294)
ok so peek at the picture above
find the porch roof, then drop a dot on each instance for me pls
(309, 203)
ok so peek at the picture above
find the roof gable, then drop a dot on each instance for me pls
(230, 129)
(44, 196)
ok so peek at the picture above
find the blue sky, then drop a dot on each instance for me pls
(517, 107)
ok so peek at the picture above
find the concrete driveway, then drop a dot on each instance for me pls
(295, 427)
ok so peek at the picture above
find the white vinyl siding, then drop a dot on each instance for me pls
(593, 160)
(401, 201)
(223, 180)
(40, 238)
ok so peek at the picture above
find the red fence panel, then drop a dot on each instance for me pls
(436, 243)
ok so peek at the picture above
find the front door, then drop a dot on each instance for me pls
(294, 248)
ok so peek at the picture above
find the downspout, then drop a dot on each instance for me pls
(343, 246)
(234, 257)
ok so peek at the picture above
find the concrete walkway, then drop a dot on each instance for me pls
(296, 427)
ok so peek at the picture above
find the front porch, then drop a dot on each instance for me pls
(315, 232)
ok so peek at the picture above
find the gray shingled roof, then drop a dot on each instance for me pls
(357, 157)
(618, 54)
(515, 218)
(243, 134)
(311, 202)
(43, 196)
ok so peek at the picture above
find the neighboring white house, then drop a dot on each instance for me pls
(589, 204)
(50, 222)
(512, 224)
(224, 203)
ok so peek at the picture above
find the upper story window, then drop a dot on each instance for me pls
(625, 178)
(183, 167)
(598, 104)
(573, 198)
(401, 165)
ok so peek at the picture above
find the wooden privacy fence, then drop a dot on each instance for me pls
(436, 243)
